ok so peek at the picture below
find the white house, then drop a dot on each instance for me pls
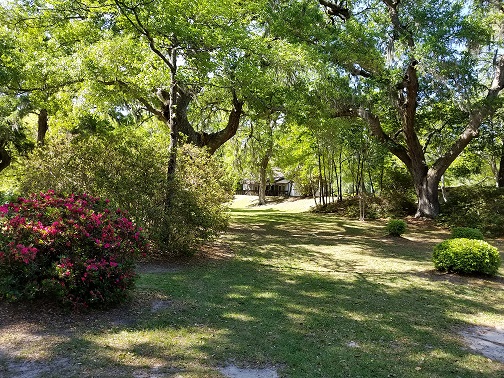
(280, 186)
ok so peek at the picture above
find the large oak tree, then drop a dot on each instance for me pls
(422, 71)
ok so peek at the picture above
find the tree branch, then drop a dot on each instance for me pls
(127, 88)
(139, 26)
(431, 134)
(214, 140)
(376, 129)
(336, 9)
(486, 109)
(44, 87)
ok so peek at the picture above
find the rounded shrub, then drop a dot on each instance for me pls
(396, 227)
(467, 233)
(73, 249)
(466, 256)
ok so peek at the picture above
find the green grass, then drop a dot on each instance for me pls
(313, 295)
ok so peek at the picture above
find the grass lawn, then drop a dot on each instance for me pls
(311, 295)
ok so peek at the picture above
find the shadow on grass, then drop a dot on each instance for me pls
(310, 294)
(322, 326)
(263, 230)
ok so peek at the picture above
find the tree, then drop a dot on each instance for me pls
(36, 66)
(163, 56)
(406, 57)
(13, 135)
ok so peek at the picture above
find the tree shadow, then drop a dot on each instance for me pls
(303, 294)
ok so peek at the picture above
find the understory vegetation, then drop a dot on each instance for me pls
(466, 207)
(478, 207)
(309, 295)
(129, 168)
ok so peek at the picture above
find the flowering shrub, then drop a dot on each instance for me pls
(70, 248)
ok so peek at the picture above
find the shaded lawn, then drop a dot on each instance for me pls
(313, 295)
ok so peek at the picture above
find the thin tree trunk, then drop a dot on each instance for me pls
(371, 182)
(500, 174)
(262, 179)
(336, 178)
(320, 179)
(43, 126)
(443, 190)
(340, 183)
(362, 199)
(173, 123)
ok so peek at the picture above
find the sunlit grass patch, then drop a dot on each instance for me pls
(312, 295)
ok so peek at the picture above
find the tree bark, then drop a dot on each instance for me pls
(262, 179)
(500, 174)
(5, 158)
(170, 111)
(43, 126)
(426, 188)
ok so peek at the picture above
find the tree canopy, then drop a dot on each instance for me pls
(423, 78)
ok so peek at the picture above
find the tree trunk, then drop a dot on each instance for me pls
(5, 158)
(263, 166)
(262, 179)
(443, 189)
(43, 126)
(500, 174)
(320, 178)
(426, 187)
(340, 182)
(362, 200)
(170, 111)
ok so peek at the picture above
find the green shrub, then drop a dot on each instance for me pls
(475, 206)
(466, 256)
(129, 168)
(7, 196)
(199, 196)
(397, 191)
(350, 208)
(72, 249)
(396, 227)
(467, 233)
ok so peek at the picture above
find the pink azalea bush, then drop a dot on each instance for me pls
(73, 249)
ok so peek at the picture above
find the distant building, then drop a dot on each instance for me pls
(280, 186)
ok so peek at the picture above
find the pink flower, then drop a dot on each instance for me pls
(4, 209)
